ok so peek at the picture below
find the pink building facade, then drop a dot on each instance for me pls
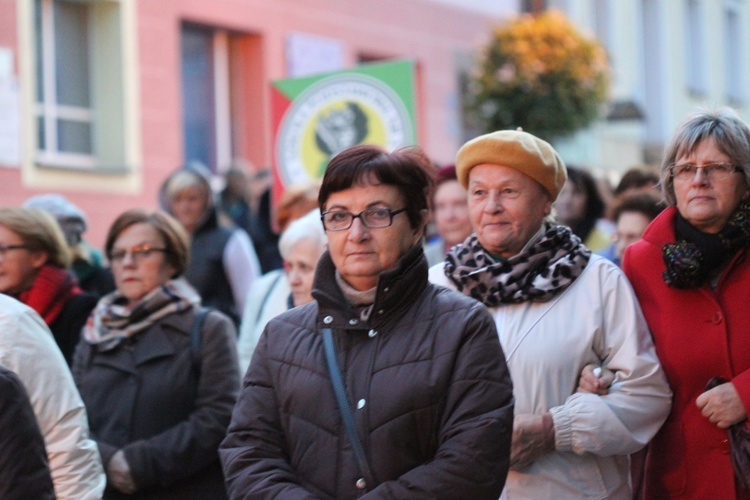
(104, 98)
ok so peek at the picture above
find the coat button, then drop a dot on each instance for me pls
(372, 333)
(328, 320)
(724, 446)
(360, 484)
(718, 318)
(360, 404)
(353, 321)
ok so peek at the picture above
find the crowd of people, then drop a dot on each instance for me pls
(505, 326)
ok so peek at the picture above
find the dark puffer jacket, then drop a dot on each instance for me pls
(426, 376)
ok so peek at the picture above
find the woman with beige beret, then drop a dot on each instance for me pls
(558, 309)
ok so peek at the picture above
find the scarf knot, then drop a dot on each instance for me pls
(114, 319)
(695, 255)
(547, 267)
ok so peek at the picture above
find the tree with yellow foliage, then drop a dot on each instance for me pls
(538, 72)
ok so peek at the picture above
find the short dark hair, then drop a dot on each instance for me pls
(407, 169)
(584, 182)
(176, 240)
(647, 203)
(637, 177)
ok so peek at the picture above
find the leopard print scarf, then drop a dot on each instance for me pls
(543, 269)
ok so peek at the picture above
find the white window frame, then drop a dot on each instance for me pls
(114, 73)
(50, 110)
(222, 100)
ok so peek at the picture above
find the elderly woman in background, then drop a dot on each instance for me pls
(691, 273)
(449, 213)
(34, 260)
(223, 263)
(158, 379)
(301, 245)
(423, 364)
(557, 308)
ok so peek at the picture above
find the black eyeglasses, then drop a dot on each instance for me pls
(715, 171)
(138, 253)
(372, 218)
(4, 249)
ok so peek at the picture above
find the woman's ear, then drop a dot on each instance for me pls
(547, 208)
(38, 258)
(424, 218)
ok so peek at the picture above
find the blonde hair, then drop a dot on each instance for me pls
(39, 232)
(182, 180)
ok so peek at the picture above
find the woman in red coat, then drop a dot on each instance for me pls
(691, 273)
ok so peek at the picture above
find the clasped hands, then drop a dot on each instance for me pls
(534, 435)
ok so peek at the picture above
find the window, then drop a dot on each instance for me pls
(209, 88)
(83, 111)
(222, 95)
(734, 53)
(695, 43)
(63, 109)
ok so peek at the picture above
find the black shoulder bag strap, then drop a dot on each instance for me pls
(345, 409)
(195, 340)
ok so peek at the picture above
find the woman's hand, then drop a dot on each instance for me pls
(595, 380)
(533, 437)
(722, 406)
(118, 474)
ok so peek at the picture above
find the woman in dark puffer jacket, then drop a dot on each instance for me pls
(423, 369)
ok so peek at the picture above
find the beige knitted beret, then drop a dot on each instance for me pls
(515, 149)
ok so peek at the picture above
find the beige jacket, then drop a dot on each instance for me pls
(28, 349)
(547, 344)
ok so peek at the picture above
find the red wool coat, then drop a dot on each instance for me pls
(698, 334)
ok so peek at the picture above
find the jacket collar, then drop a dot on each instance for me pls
(397, 289)
(661, 230)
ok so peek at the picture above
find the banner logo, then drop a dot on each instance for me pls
(334, 114)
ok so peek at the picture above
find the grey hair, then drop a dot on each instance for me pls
(308, 227)
(724, 126)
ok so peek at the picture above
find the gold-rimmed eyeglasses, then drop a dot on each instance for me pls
(715, 171)
(137, 253)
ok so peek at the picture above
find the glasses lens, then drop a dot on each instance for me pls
(337, 220)
(377, 217)
(117, 256)
(719, 170)
(684, 171)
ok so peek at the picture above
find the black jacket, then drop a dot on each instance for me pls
(145, 397)
(68, 325)
(426, 376)
(24, 471)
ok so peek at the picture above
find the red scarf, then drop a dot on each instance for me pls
(51, 290)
